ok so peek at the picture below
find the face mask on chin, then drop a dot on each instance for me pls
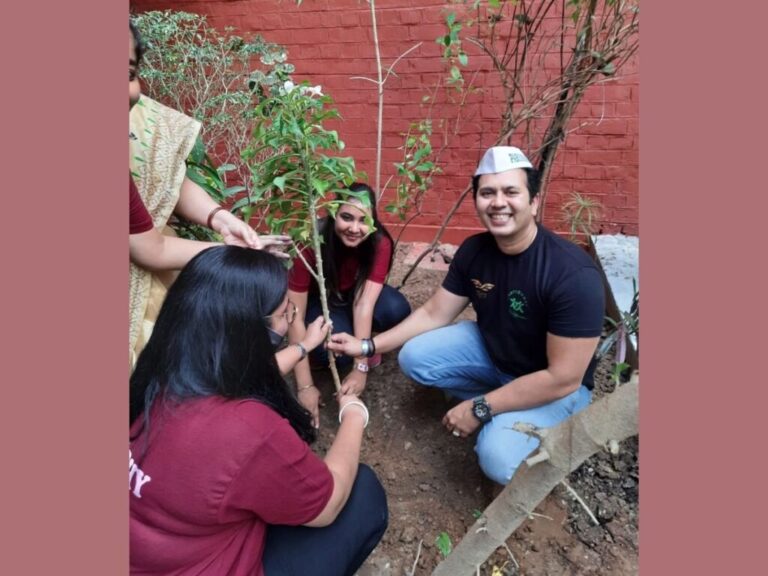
(275, 338)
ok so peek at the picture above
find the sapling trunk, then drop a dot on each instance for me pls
(380, 87)
(320, 274)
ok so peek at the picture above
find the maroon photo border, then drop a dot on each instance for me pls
(64, 405)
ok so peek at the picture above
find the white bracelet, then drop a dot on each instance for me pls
(355, 403)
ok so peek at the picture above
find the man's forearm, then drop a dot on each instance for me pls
(568, 361)
(419, 321)
(529, 391)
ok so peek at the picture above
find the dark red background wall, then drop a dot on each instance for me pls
(330, 41)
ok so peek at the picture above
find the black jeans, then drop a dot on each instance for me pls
(335, 550)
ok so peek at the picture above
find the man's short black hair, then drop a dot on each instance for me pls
(533, 182)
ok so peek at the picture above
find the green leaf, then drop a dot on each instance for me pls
(463, 58)
(232, 190)
(361, 197)
(421, 152)
(444, 544)
(207, 171)
(246, 213)
(197, 154)
(212, 186)
(242, 203)
(575, 15)
(321, 186)
(280, 183)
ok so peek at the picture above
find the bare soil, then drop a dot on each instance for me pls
(434, 484)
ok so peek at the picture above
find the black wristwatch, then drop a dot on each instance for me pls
(481, 409)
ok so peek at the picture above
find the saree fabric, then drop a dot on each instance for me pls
(160, 140)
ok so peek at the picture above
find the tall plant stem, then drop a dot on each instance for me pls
(319, 260)
(380, 85)
(439, 235)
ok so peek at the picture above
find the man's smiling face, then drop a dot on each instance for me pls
(504, 205)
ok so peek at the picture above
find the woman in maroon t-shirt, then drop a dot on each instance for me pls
(356, 264)
(221, 478)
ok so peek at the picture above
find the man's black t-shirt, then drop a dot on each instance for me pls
(553, 286)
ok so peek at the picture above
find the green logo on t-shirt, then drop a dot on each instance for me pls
(517, 304)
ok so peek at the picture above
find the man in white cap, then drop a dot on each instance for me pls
(539, 300)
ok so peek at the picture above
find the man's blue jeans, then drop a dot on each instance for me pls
(454, 359)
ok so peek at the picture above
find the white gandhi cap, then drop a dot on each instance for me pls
(502, 158)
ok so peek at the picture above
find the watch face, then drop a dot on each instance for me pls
(362, 367)
(481, 410)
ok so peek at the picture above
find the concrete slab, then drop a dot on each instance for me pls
(619, 255)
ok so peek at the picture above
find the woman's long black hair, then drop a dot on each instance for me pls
(211, 338)
(137, 41)
(366, 251)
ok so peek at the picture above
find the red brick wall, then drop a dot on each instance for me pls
(330, 41)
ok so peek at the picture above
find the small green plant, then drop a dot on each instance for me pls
(444, 544)
(299, 181)
(202, 170)
(414, 174)
(580, 214)
(619, 372)
(453, 51)
(627, 325)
